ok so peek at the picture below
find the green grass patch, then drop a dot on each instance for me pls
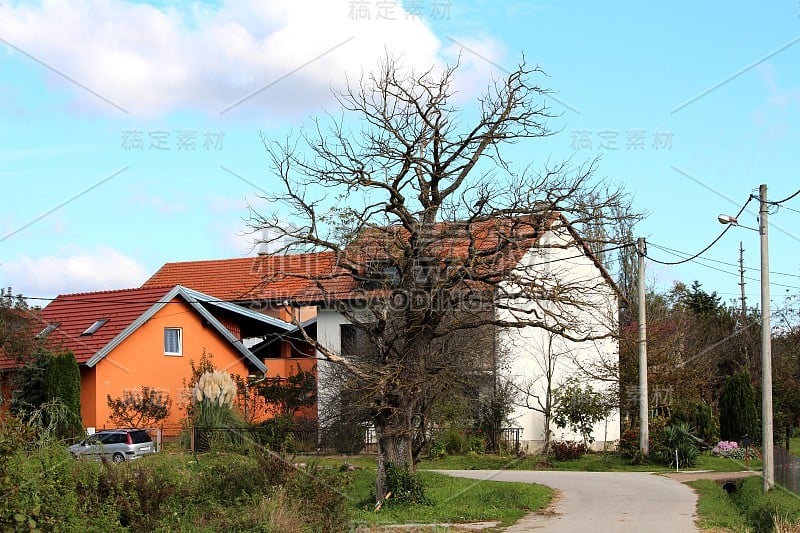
(747, 509)
(794, 446)
(715, 509)
(591, 462)
(452, 500)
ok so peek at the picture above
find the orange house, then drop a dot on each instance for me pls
(125, 339)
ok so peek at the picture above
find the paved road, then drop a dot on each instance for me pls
(599, 502)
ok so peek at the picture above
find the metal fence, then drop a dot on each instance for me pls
(787, 469)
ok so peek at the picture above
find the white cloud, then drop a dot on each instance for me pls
(153, 60)
(72, 269)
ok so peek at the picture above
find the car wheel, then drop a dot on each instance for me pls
(118, 458)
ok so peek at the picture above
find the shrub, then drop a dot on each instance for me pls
(436, 449)
(62, 383)
(567, 450)
(454, 440)
(677, 442)
(320, 495)
(344, 435)
(737, 408)
(406, 486)
(699, 418)
(142, 408)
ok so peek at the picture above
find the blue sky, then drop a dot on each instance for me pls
(130, 131)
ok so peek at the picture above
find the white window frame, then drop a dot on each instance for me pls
(180, 341)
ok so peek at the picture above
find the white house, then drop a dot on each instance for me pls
(556, 261)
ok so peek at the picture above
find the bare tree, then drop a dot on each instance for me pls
(426, 224)
(537, 392)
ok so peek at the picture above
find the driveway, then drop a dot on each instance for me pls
(598, 502)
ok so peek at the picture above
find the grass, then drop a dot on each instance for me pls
(715, 509)
(794, 445)
(453, 500)
(747, 509)
(591, 462)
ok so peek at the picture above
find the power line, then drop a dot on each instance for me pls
(785, 199)
(697, 261)
(704, 250)
(681, 253)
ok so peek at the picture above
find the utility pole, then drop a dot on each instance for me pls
(644, 432)
(766, 346)
(741, 284)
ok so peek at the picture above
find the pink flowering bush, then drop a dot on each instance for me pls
(725, 448)
(731, 450)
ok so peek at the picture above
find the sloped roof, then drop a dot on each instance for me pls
(269, 278)
(125, 310)
(493, 246)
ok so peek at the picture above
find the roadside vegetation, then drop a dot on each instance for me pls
(746, 509)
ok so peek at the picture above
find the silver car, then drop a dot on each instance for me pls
(116, 445)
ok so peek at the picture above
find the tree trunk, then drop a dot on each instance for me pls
(394, 446)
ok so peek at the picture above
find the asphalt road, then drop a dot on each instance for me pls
(599, 502)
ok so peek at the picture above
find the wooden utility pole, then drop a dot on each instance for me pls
(644, 431)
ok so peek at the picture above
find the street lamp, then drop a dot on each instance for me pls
(252, 379)
(768, 469)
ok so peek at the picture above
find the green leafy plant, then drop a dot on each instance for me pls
(143, 408)
(677, 443)
(405, 486)
(737, 408)
(579, 408)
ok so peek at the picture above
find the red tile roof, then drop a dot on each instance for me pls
(77, 312)
(272, 278)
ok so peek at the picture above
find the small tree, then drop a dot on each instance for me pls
(143, 408)
(737, 408)
(292, 393)
(579, 409)
(62, 383)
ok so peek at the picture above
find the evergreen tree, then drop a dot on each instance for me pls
(737, 408)
(62, 383)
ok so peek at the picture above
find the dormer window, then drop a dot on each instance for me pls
(91, 330)
(48, 330)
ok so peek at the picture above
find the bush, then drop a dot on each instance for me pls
(406, 486)
(677, 442)
(454, 440)
(698, 417)
(320, 496)
(344, 435)
(567, 450)
(436, 449)
(737, 408)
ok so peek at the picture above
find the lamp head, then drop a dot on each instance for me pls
(727, 219)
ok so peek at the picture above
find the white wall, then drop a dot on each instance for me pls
(329, 324)
(591, 311)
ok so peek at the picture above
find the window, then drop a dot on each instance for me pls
(172, 341)
(48, 330)
(94, 327)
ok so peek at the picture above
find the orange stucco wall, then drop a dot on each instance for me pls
(140, 360)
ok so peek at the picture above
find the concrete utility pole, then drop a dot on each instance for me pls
(741, 284)
(644, 431)
(766, 346)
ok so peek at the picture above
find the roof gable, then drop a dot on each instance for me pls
(125, 311)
